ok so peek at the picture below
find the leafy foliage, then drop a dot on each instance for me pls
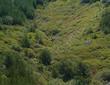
(17, 10)
(62, 45)
(45, 57)
(25, 42)
(15, 71)
(68, 70)
(105, 24)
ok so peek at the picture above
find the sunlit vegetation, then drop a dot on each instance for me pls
(54, 42)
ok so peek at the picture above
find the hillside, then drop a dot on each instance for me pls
(64, 43)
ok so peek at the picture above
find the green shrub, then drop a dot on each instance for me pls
(67, 70)
(25, 42)
(16, 70)
(70, 69)
(45, 57)
(105, 21)
(41, 37)
(94, 36)
(29, 53)
(16, 47)
(103, 76)
(32, 27)
(54, 32)
(83, 70)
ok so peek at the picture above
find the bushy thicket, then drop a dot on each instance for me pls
(14, 70)
(25, 42)
(45, 57)
(102, 77)
(16, 11)
(68, 70)
(105, 22)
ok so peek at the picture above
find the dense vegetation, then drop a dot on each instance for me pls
(14, 70)
(16, 12)
(105, 24)
(89, 1)
(54, 42)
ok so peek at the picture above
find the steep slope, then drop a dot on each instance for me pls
(62, 45)
(71, 20)
(77, 34)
